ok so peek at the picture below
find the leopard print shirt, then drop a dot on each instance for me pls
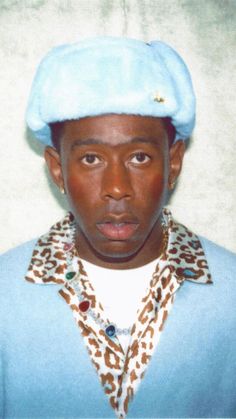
(120, 373)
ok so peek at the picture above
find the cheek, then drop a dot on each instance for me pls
(82, 190)
(152, 188)
(157, 186)
(158, 182)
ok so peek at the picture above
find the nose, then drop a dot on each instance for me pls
(116, 182)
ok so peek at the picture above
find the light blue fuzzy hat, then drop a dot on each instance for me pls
(111, 75)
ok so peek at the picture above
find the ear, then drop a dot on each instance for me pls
(175, 163)
(53, 162)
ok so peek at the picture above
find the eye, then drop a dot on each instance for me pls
(91, 159)
(140, 158)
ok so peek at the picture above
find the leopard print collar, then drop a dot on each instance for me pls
(120, 374)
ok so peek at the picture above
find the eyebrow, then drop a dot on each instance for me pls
(95, 141)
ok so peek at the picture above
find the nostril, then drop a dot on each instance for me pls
(117, 194)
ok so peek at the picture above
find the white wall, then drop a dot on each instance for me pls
(203, 31)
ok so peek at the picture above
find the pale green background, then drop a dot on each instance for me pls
(203, 31)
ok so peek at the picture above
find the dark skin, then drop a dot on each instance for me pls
(116, 171)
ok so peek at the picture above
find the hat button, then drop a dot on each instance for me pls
(158, 98)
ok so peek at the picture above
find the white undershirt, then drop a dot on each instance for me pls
(120, 292)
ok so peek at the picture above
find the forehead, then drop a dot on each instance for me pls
(113, 129)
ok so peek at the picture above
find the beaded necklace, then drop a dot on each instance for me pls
(73, 278)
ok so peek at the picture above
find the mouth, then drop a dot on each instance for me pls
(117, 228)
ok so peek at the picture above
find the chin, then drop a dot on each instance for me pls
(116, 250)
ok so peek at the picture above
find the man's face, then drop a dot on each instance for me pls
(115, 171)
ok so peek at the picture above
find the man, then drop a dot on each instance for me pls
(114, 114)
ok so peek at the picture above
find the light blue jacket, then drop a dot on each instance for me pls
(46, 371)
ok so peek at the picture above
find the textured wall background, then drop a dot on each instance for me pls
(204, 33)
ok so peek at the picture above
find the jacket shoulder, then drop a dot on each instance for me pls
(221, 262)
(16, 259)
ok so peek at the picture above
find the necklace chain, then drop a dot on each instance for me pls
(73, 277)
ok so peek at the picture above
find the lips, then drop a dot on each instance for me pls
(121, 231)
(118, 227)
